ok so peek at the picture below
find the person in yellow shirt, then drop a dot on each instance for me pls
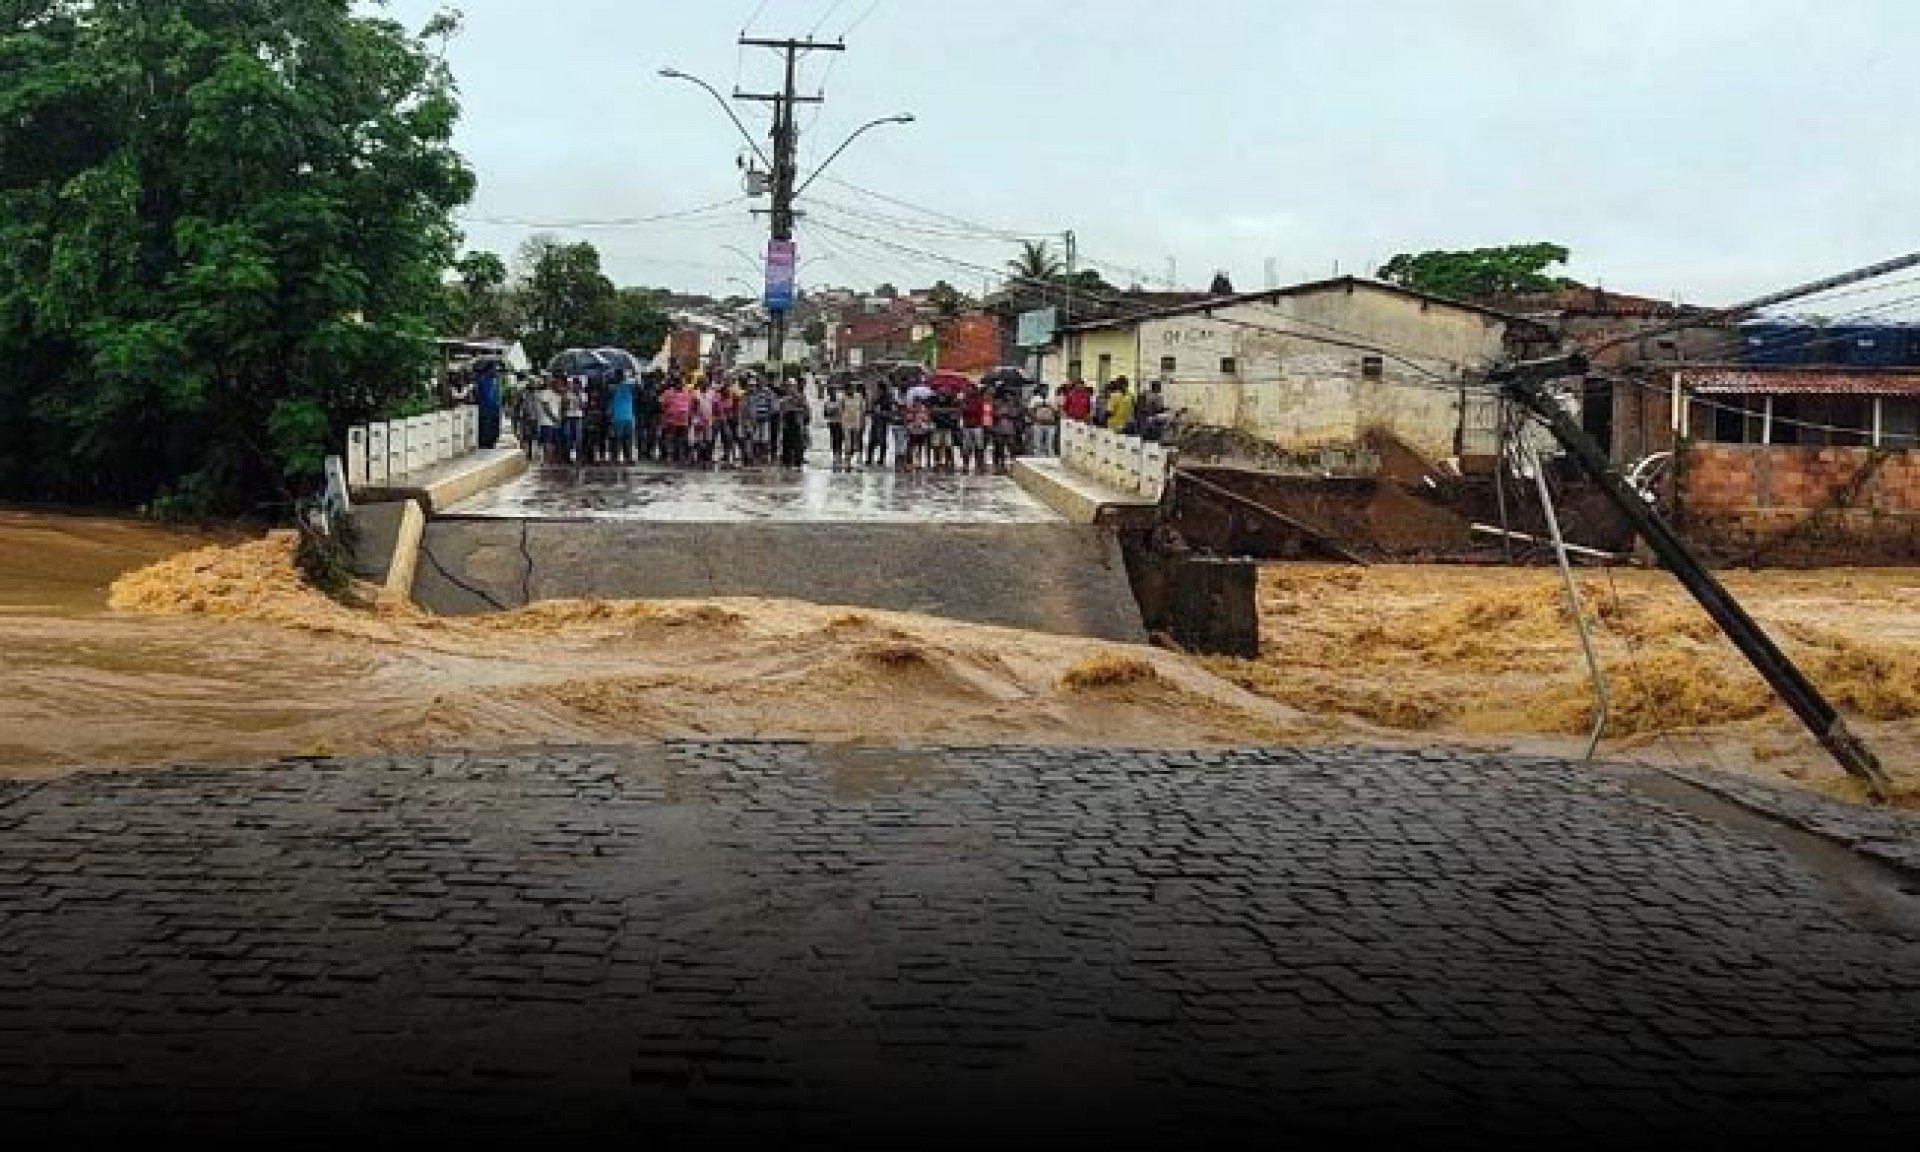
(1119, 408)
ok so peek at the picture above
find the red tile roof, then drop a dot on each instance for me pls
(1800, 382)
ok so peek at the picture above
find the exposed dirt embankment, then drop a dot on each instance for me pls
(1491, 655)
(223, 653)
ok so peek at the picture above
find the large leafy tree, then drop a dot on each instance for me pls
(478, 302)
(563, 300)
(566, 301)
(1479, 273)
(223, 230)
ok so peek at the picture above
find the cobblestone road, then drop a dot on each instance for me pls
(791, 940)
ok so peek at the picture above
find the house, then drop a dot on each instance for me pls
(882, 330)
(1313, 371)
(971, 342)
(1798, 464)
(1618, 408)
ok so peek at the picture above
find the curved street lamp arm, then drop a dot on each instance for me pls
(676, 74)
(857, 133)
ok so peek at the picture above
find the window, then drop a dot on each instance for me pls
(1373, 367)
(1106, 367)
(1073, 368)
(1229, 366)
(1167, 364)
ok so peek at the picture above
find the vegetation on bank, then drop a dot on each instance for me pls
(223, 230)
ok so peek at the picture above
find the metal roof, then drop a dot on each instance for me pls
(1800, 382)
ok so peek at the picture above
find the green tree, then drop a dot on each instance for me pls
(478, 302)
(1036, 262)
(1480, 273)
(815, 333)
(639, 325)
(566, 301)
(223, 230)
(946, 299)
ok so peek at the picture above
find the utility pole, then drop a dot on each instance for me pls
(1073, 260)
(1527, 384)
(786, 148)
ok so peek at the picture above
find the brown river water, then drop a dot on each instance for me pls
(131, 644)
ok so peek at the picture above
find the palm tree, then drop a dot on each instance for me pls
(1036, 263)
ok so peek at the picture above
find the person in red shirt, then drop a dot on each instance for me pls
(1076, 403)
(976, 418)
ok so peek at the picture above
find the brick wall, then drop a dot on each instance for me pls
(1782, 504)
(970, 344)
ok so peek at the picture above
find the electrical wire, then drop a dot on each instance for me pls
(863, 18)
(607, 222)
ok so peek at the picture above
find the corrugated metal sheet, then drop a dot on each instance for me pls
(1799, 382)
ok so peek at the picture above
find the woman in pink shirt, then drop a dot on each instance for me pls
(676, 413)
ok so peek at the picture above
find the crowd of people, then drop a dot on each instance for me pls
(909, 422)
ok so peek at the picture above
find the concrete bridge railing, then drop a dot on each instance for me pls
(381, 454)
(1127, 463)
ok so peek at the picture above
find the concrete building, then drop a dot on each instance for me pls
(1314, 368)
(1789, 464)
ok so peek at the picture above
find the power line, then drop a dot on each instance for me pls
(824, 17)
(864, 16)
(607, 222)
(1360, 344)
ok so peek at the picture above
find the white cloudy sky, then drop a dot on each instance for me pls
(1705, 149)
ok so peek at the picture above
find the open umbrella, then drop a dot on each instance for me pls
(953, 383)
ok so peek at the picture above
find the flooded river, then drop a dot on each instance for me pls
(130, 644)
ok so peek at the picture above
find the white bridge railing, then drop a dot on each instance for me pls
(380, 454)
(1124, 462)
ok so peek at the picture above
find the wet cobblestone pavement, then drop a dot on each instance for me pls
(793, 941)
(816, 495)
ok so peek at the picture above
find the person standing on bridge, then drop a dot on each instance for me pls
(620, 419)
(830, 410)
(764, 408)
(976, 417)
(548, 409)
(573, 419)
(879, 419)
(1120, 407)
(646, 409)
(795, 415)
(853, 426)
(676, 412)
(1043, 424)
(1076, 403)
(700, 423)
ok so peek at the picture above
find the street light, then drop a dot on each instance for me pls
(676, 74)
(903, 118)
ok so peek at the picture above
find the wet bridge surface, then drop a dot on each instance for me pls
(755, 495)
(792, 941)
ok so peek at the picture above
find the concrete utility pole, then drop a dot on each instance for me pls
(786, 148)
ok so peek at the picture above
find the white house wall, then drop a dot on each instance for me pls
(1305, 394)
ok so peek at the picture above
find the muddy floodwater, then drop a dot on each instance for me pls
(128, 644)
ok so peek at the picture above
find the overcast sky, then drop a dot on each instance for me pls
(1707, 150)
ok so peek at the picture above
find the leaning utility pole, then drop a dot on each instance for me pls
(786, 167)
(1528, 384)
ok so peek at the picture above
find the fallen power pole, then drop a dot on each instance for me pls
(1527, 384)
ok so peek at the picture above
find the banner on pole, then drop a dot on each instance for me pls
(783, 260)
